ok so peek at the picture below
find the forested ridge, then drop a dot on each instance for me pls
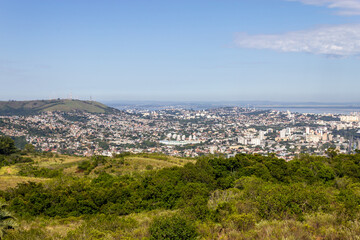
(244, 197)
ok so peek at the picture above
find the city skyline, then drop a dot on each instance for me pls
(273, 50)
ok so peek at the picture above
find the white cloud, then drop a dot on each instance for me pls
(346, 7)
(340, 41)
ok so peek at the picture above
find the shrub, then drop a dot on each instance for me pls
(83, 166)
(242, 222)
(174, 227)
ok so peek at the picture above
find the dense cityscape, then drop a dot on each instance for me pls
(187, 133)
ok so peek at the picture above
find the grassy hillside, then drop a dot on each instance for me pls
(154, 196)
(12, 181)
(12, 175)
(36, 106)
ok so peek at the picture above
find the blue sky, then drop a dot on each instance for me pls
(188, 50)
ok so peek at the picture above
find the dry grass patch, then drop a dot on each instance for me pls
(44, 228)
(133, 226)
(9, 170)
(134, 165)
(13, 181)
(62, 227)
(59, 160)
(140, 164)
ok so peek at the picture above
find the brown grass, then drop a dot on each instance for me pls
(133, 226)
(12, 181)
(136, 165)
(42, 161)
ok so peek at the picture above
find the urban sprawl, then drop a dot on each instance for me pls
(187, 133)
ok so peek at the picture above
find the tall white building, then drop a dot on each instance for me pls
(261, 135)
(283, 133)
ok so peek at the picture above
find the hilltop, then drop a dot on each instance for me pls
(65, 105)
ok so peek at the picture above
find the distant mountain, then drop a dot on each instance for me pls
(65, 105)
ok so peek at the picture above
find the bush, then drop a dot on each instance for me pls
(173, 227)
(83, 166)
(242, 222)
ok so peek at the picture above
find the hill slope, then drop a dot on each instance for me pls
(66, 105)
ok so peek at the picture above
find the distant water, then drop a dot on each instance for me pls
(316, 110)
(339, 109)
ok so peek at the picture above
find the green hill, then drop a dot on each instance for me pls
(66, 105)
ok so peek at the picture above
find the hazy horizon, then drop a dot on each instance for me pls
(254, 102)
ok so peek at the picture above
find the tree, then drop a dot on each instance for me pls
(7, 145)
(332, 152)
(29, 148)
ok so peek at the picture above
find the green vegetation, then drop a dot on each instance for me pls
(172, 228)
(154, 196)
(9, 154)
(6, 219)
(7, 146)
(65, 105)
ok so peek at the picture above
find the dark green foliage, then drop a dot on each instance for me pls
(29, 148)
(7, 146)
(84, 165)
(149, 167)
(350, 203)
(32, 171)
(172, 228)
(9, 154)
(14, 159)
(88, 166)
(293, 201)
(332, 152)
